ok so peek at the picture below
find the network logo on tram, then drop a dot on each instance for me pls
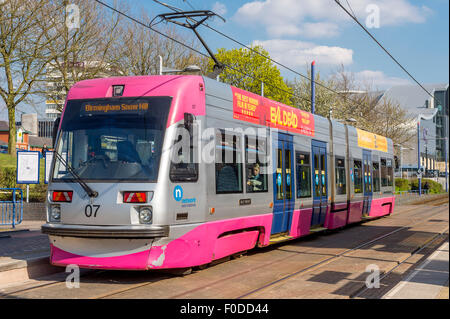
(178, 193)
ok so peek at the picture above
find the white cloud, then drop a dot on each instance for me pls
(307, 30)
(298, 53)
(319, 30)
(219, 8)
(320, 18)
(377, 79)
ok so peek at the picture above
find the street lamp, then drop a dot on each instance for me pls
(419, 169)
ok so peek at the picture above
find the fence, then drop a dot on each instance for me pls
(11, 206)
(413, 192)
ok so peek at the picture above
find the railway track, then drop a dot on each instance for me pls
(333, 258)
(415, 218)
(414, 253)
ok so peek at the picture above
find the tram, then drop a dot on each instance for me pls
(167, 172)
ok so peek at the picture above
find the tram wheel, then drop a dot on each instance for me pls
(180, 271)
(238, 255)
(201, 267)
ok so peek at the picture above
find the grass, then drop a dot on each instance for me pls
(7, 160)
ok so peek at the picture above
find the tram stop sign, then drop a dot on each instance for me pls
(419, 173)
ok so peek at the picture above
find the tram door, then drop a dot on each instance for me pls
(367, 170)
(320, 198)
(283, 183)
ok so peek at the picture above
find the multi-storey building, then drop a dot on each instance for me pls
(75, 71)
(433, 132)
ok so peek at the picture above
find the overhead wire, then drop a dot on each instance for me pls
(197, 51)
(353, 16)
(302, 75)
(266, 57)
(226, 65)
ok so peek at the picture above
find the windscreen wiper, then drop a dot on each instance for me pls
(78, 179)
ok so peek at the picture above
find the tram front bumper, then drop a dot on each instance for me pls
(102, 247)
(88, 231)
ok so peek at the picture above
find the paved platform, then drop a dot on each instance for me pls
(25, 240)
(24, 252)
(428, 281)
(25, 225)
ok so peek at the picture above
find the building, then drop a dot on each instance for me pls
(4, 132)
(31, 134)
(44, 127)
(433, 132)
(22, 136)
(76, 71)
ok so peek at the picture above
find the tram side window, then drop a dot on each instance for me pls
(341, 186)
(357, 171)
(384, 180)
(390, 172)
(228, 163)
(376, 176)
(303, 175)
(256, 164)
(183, 167)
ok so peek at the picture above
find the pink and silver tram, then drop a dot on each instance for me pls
(263, 173)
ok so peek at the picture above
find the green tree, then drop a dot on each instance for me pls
(258, 67)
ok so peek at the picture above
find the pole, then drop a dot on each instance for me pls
(445, 149)
(160, 64)
(28, 188)
(418, 157)
(445, 163)
(262, 88)
(14, 209)
(401, 161)
(313, 89)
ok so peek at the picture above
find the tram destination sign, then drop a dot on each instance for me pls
(95, 108)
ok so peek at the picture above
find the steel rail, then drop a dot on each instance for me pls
(337, 256)
(415, 252)
(276, 261)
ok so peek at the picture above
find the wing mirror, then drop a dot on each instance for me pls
(55, 131)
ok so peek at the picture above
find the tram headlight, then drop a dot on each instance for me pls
(55, 213)
(145, 215)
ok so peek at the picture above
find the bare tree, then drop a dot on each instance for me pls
(325, 100)
(372, 111)
(349, 99)
(139, 49)
(390, 120)
(82, 52)
(23, 53)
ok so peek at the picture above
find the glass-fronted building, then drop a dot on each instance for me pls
(441, 103)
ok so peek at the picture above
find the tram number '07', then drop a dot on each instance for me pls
(91, 209)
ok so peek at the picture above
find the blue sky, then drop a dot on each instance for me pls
(297, 31)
